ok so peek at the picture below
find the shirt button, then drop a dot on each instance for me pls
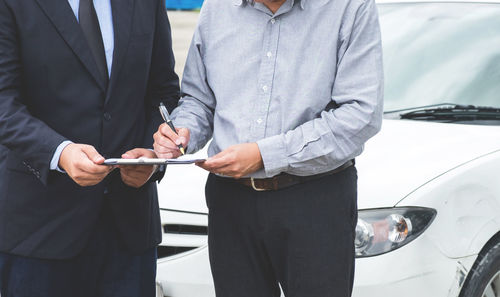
(107, 116)
(259, 121)
(273, 21)
(264, 88)
(269, 54)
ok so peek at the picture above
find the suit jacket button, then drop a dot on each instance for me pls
(107, 116)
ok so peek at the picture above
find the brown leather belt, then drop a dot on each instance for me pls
(285, 180)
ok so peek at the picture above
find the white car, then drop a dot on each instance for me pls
(429, 183)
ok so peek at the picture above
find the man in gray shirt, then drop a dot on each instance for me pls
(290, 90)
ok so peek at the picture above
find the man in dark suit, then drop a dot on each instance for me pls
(80, 80)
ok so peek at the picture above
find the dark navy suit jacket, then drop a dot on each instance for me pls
(50, 91)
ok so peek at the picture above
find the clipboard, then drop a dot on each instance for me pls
(147, 161)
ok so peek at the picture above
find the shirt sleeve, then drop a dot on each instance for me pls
(54, 163)
(197, 105)
(338, 134)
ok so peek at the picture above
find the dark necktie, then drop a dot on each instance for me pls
(92, 31)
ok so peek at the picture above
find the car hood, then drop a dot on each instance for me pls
(407, 154)
(402, 157)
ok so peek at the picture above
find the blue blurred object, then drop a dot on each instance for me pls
(184, 4)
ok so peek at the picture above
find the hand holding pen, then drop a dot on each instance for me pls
(169, 140)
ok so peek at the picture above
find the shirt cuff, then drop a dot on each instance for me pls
(54, 163)
(273, 152)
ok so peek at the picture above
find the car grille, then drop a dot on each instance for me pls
(167, 251)
(175, 246)
(185, 229)
(182, 232)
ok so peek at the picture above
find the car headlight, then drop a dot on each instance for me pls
(380, 231)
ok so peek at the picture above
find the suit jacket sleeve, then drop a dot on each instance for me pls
(30, 139)
(163, 85)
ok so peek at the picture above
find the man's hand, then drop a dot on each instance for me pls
(83, 164)
(166, 141)
(137, 176)
(237, 161)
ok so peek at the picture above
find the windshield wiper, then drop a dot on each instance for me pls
(454, 113)
(421, 107)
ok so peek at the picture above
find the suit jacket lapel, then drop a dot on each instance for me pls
(122, 25)
(62, 17)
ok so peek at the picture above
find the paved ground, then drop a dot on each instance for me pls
(183, 24)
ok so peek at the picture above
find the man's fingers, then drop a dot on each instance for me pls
(131, 182)
(84, 164)
(202, 165)
(98, 172)
(85, 179)
(226, 170)
(136, 176)
(183, 137)
(92, 154)
(217, 170)
(167, 132)
(216, 163)
(139, 153)
(129, 178)
(181, 141)
(133, 154)
(165, 142)
(166, 153)
(179, 138)
(226, 163)
(89, 167)
(220, 155)
(135, 171)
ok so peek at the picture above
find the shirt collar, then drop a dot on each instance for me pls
(241, 2)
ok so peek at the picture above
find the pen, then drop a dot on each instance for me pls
(168, 121)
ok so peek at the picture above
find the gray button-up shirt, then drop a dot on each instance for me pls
(305, 83)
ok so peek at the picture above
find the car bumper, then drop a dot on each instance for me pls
(416, 270)
(186, 275)
(183, 267)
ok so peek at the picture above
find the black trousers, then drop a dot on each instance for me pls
(103, 269)
(301, 237)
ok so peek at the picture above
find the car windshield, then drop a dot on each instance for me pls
(441, 53)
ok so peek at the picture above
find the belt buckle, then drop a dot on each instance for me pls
(254, 187)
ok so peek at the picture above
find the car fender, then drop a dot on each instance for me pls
(467, 200)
